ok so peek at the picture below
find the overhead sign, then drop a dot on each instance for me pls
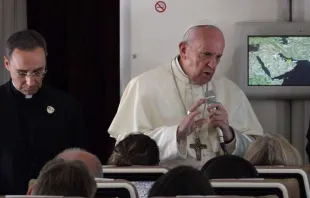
(160, 6)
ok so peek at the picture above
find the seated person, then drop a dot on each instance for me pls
(65, 178)
(90, 160)
(272, 149)
(229, 167)
(183, 181)
(135, 149)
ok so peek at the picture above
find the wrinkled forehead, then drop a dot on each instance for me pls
(28, 60)
(203, 32)
(206, 33)
(210, 40)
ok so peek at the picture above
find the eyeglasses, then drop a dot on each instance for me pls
(38, 74)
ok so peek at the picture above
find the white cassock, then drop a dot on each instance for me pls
(152, 104)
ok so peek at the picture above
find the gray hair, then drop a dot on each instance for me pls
(272, 149)
(190, 32)
(97, 172)
(65, 178)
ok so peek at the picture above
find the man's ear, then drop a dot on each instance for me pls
(6, 63)
(30, 188)
(182, 50)
(31, 185)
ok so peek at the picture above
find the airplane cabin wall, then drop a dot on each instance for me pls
(150, 39)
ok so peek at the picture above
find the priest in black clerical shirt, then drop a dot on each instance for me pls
(37, 121)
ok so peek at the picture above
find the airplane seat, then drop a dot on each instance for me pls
(134, 173)
(116, 188)
(300, 173)
(283, 188)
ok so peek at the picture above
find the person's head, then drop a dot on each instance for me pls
(272, 149)
(25, 60)
(229, 166)
(65, 178)
(182, 180)
(200, 52)
(135, 149)
(90, 160)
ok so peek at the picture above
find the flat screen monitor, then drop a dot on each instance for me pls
(271, 60)
(278, 60)
(143, 188)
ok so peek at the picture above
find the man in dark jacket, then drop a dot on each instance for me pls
(37, 121)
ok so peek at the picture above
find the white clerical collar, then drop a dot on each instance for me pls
(180, 74)
(179, 67)
(26, 96)
(178, 71)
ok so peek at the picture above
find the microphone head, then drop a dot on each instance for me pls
(210, 96)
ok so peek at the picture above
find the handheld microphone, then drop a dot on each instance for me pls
(211, 99)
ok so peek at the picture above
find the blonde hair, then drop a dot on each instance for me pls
(272, 149)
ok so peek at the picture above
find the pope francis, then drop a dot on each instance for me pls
(172, 105)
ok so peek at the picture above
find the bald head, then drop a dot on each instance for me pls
(91, 161)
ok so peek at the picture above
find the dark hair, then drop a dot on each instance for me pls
(135, 149)
(229, 166)
(182, 180)
(65, 178)
(25, 40)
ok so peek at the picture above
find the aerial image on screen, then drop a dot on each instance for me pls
(279, 60)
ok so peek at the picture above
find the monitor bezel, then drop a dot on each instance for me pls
(246, 29)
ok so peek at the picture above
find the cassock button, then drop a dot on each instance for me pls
(50, 109)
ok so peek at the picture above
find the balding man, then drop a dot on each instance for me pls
(90, 160)
(165, 103)
(59, 177)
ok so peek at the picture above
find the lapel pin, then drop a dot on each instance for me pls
(50, 109)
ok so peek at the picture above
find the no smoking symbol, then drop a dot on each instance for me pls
(160, 6)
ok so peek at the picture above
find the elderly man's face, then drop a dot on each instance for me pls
(27, 69)
(201, 54)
